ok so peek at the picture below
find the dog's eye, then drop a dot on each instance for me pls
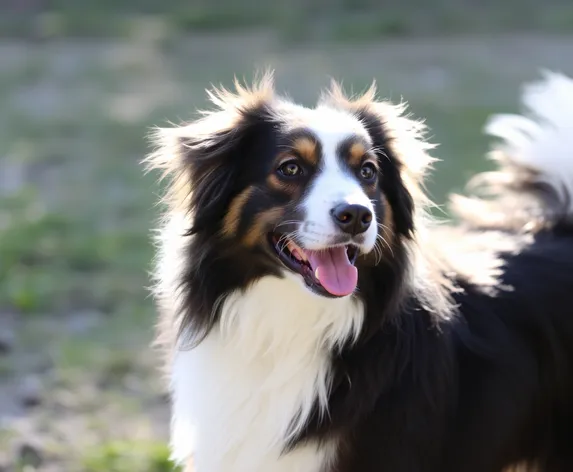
(290, 169)
(368, 171)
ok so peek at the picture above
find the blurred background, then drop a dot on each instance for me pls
(81, 83)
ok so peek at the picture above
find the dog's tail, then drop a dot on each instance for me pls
(533, 185)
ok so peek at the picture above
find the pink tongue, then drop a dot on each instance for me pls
(335, 272)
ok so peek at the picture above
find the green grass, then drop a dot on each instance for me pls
(128, 456)
(76, 211)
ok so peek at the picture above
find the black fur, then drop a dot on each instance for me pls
(491, 388)
(220, 169)
(390, 166)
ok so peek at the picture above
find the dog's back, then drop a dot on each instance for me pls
(516, 371)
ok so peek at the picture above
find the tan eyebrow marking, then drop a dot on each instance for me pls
(356, 153)
(306, 148)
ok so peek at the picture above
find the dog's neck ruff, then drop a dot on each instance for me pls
(252, 383)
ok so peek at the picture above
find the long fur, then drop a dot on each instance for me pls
(455, 353)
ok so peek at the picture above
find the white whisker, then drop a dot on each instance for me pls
(381, 238)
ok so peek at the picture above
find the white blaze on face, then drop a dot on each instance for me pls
(333, 184)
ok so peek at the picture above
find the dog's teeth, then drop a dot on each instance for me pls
(297, 251)
(316, 274)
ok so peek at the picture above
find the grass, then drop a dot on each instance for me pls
(76, 210)
(124, 456)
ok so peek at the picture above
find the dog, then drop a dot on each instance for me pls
(315, 318)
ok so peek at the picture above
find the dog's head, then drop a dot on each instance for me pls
(279, 189)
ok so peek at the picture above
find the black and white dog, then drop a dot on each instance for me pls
(315, 319)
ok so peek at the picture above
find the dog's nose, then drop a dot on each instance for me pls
(352, 219)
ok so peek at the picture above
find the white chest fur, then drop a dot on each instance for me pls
(253, 381)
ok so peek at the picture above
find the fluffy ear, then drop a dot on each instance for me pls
(202, 159)
(402, 152)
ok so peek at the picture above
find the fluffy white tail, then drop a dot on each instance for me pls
(542, 138)
(533, 185)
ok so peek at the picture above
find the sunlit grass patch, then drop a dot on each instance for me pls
(128, 457)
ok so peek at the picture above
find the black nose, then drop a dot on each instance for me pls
(352, 219)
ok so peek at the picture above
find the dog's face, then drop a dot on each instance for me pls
(322, 200)
(279, 189)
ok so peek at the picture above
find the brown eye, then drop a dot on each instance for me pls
(368, 172)
(290, 169)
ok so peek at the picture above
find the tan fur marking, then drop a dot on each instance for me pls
(387, 230)
(355, 154)
(306, 148)
(233, 216)
(263, 219)
(290, 189)
(274, 183)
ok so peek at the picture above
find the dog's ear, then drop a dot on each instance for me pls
(202, 159)
(401, 150)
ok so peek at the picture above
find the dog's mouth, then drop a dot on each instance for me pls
(329, 272)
